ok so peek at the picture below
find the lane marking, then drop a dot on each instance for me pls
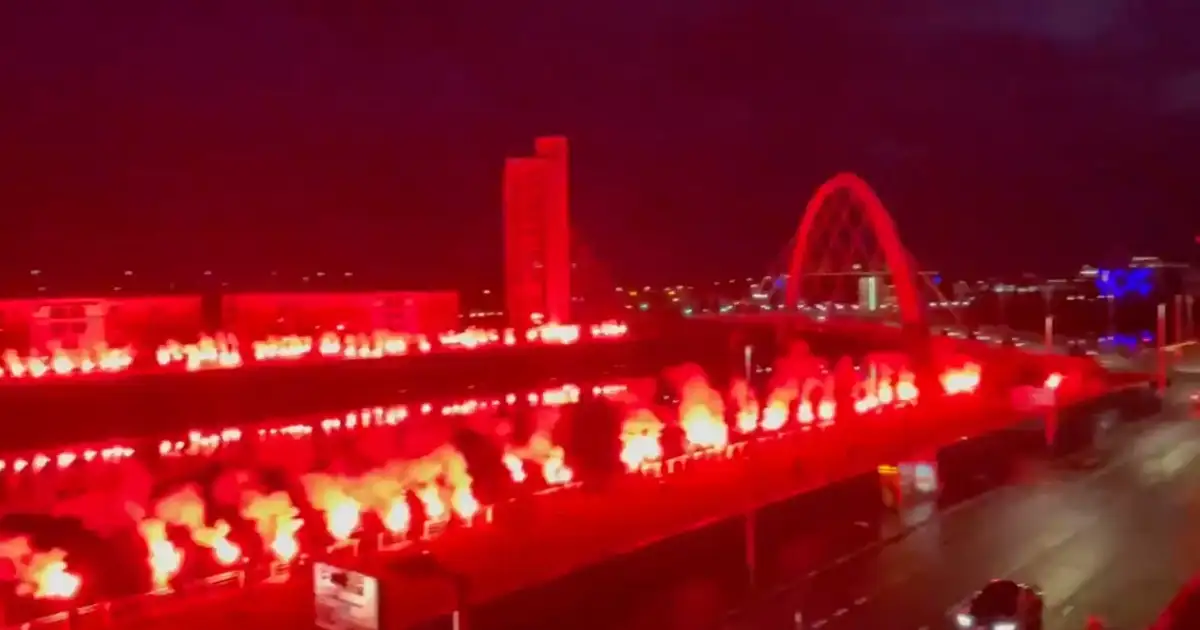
(1149, 443)
(1136, 448)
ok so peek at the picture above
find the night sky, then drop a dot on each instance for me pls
(247, 135)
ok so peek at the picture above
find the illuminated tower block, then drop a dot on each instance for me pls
(871, 292)
(524, 273)
(556, 227)
(537, 235)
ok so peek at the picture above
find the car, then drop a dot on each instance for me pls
(1001, 605)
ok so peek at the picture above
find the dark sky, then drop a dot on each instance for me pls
(1004, 135)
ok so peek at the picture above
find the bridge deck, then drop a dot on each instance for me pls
(534, 541)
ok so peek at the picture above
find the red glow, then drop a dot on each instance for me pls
(964, 380)
(641, 436)
(345, 506)
(165, 559)
(537, 275)
(57, 582)
(96, 359)
(206, 353)
(42, 574)
(224, 350)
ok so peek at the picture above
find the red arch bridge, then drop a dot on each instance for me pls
(835, 281)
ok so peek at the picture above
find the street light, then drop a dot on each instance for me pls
(1048, 311)
(1112, 314)
(1191, 315)
(1002, 302)
(1162, 350)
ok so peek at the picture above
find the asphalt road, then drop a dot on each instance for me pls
(1115, 541)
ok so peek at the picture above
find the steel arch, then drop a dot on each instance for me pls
(903, 276)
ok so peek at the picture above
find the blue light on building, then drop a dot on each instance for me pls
(1120, 283)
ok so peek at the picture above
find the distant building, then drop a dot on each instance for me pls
(557, 227)
(524, 285)
(81, 322)
(257, 315)
(537, 257)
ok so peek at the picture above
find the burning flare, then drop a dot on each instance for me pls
(964, 380)
(329, 495)
(745, 404)
(779, 404)
(185, 508)
(701, 409)
(641, 439)
(276, 520)
(165, 559)
(40, 574)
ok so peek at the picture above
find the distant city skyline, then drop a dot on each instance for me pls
(38, 281)
(266, 136)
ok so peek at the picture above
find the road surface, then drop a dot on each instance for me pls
(1115, 541)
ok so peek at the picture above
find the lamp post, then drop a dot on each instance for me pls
(1178, 319)
(1112, 314)
(1002, 300)
(1162, 350)
(1191, 316)
(1048, 311)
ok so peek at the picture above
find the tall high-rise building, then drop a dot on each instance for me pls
(537, 235)
(557, 230)
(524, 250)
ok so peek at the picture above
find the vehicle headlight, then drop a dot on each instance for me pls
(1004, 625)
(963, 620)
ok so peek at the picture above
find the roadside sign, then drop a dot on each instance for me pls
(1028, 398)
(345, 600)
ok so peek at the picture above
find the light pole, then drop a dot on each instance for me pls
(1048, 303)
(1112, 314)
(1191, 316)
(1002, 300)
(1178, 319)
(1162, 350)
